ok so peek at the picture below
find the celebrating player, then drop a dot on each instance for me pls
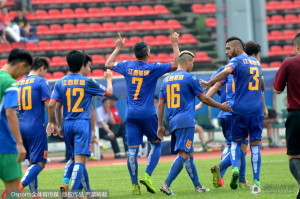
(141, 118)
(74, 92)
(34, 96)
(178, 91)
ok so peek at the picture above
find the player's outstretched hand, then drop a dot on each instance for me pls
(50, 129)
(206, 84)
(108, 74)
(21, 152)
(120, 41)
(161, 132)
(174, 36)
(198, 106)
(225, 107)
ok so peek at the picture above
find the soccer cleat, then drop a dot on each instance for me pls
(234, 180)
(166, 190)
(218, 181)
(136, 190)
(255, 188)
(64, 189)
(201, 189)
(244, 184)
(148, 183)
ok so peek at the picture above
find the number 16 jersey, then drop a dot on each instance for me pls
(75, 91)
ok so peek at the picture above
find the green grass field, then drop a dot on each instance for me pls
(277, 182)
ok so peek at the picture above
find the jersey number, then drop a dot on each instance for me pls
(74, 92)
(254, 87)
(25, 96)
(139, 81)
(172, 97)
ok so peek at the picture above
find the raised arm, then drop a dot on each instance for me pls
(112, 58)
(174, 39)
(222, 75)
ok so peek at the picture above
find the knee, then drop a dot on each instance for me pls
(255, 142)
(41, 164)
(184, 154)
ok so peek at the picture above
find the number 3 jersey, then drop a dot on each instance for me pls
(179, 90)
(76, 92)
(141, 78)
(248, 79)
(33, 91)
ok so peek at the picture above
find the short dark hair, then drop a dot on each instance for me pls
(39, 62)
(141, 50)
(233, 38)
(113, 98)
(297, 39)
(105, 99)
(76, 59)
(252, 48)
(155, 97)
(18, 55)
(185, 55)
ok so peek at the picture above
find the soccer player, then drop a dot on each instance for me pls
(75, 92)
(12, 151)
(34, 96)
(141, 119)
(248, 107)
(178, 92)
(288, 76)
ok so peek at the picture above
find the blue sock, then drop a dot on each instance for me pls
(192, 171)
(175, 169)
(132, 164)
(153, 157)
(225, 163)
(242, 167)
(256, 161)
(31, 173)
(235, 153)
(85, 181)
(68, 172)
(33, 186)
(77, 175)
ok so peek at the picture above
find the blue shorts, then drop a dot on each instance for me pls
(136, 128)
(228, 129)
(182, 139)
(37, 148)
(77, 135)
(244, 125)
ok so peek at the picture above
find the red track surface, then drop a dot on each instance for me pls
(112, 161)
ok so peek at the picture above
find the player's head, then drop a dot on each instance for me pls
(141, 50)
(113, 100)
(20, 13)
(106, 103)
(186, 60)
(297, 43)
(79, 62)
(253, 49)
(234, 47)
(18, 62)
(40, 65)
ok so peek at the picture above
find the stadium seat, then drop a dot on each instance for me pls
(210, 8)
(96, 27)
(69, 28)
(147, 10)
(67, 13)
(123, 57)
(273, 5)
(275, 51)
(161, 9)
(95, 12)
(54, 14)
(163, 57)
(197, 8)
(160, 24)
(81, 13)
(187, 39)
(277, 20)
(97, 73)
(134, 25)
(288, 50)
(56, 29)
(115, 74)
(289, 34)
(202, 57)
(275, 35)
(69, 44)
(58, 75)
(109, 26)
(108, 43)
(83, 28)
(83, 44)
(287, 5)
(49, 76)
(58, 61)
(96, 43)
(57, 45)
(107, 11)
(173, 23)
(150, 40)
(264, 65)
(122, 11)
(39, 14)
(275, 64)
(148, 25)
(122, 26)
(134, 10)
(211, 22)
(44, 45)
(163, 40)
(98, 59)
(291, 19)
(43, 30)
(31, 46)
(17, 45)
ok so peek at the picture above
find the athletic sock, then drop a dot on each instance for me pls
(68, 172)
(30, 174)
(192, 171)
(256, 161)
(242, 167)
(132, 164)
(235, 153)
(295, 168)
(153, 157)
(33, 186)
(225, 163)
(85, 181)
(175, 170)
(77, 175)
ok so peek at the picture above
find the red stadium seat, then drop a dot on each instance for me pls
(275, 51)
(58, 75)
(160, 24)
(291, 19)
(174, 24)
(97, 73)
(81, 13)
(58, 61)
(49, 76)
(147, 10)
(150, 40)
(275, 35)
(147, 25)
(288, 50)
(163, 57)
(289, 34)
(210, 8)
(161, 9)
(287, 5)
(69, 44)
(202, 57)
(188, 39)
(55, 14)
(277, 20)
(275, 64)
(108, 11)
(163, 40)
(98, 59)
(40, 14)
(122, 26)
(44, 45)
(96, 43)
(134, 25)
(124, 57)
(134, 10)
(69, 28)
(273, 5)
(56, 29)
(108, 26)
(83, 27)
(31, 46)
(96, 27)
(264, 65)
(197, 8)
(108, 43)
(116, 74)
(57, 45)
(95, 12)
(121, 11)
(67, 13)
(211, 22)
(43, 30)
(83, 44)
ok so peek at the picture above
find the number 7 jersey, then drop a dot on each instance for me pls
(76, 92)
(248, 79)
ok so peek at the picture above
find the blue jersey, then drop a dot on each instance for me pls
(221, 92)
(229, 85)
(33, 91)
(141, 78)
(76, 91)
(247, 77)
(179, 90)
